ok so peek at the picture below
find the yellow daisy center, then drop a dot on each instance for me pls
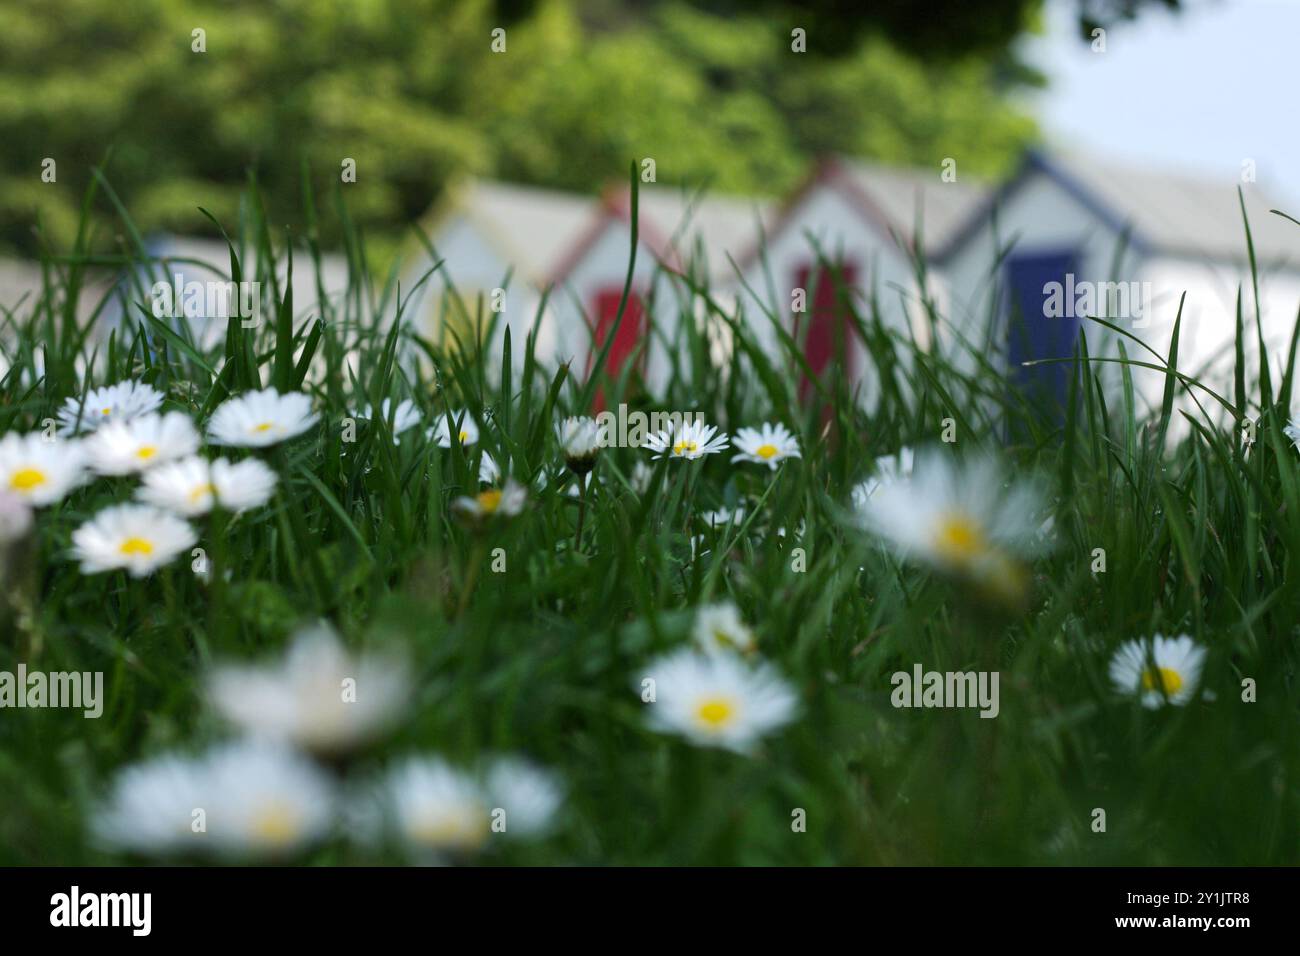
(1162, 677)
(716, 712)
(26, 479)
(489, 500)
(460, 828)
(685, 446)
(464, 436)
(264, 427)
(275, 824)
(106, 411)
(200, 490)
(145, 452)
(959, 539)
(766, 451)
(137, 546)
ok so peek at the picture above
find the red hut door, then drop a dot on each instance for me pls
(827, 318)
(605, 312)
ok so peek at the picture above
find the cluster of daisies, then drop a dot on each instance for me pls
(968, 521)
(119, 431)
(287, 784)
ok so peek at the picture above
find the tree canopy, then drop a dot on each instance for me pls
(414, 92)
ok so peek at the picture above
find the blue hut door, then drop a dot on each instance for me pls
(1041, 324)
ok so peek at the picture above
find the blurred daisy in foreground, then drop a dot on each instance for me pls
(152, 808)
(241, 800)
(435, 808)
(528, 796)
(962, 518)
(888, 468)
(136, 538)
(319, 697)
(489, 472)
(260, 419)
(718, 627)
(580, 440)
(192, 486)
(406, 417)
(15, 517)
(111, 403)
(640, 477)
(40, 470)
(1162, 670)
(430, 806)
(718, 700)
(689, 440)
(1292, 431)
(770, 444)
(466, 429)
(125, 447)
(504, 502)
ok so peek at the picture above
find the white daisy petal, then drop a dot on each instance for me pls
(259, 419)
(138, 539)
(41, 470)
(718, 700)
(770, 444)
(112, 403)
(137, 444)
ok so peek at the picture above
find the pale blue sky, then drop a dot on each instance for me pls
(1199, 91)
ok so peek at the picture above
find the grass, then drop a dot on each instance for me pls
(540, 659)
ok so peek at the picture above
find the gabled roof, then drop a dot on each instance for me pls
(671, 221)
(892, 200)
(1171, 213)
(532, 228)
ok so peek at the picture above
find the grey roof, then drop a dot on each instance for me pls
(1169, 212)
(533, 228)
(904, 194)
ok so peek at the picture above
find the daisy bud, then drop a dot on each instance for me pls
(581, 440)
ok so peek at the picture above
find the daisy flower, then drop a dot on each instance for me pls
(134, 445)
(243, 799)
(689, 440)
(718, 700)
(111, 403)
(466, 429)
(137, 538)
(39, 470)
(1162, 670)
(259, 419)
(581, 438)
(154, 808)
(319, 697)
(265, 800)
(193, 485)
(406, 417)
(504, 502)
(888, 468)
(529, 796)
(489, 472)
(963, 519)
(768, 445)
(718, 627)
(430, 806)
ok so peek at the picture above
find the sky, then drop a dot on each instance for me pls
(1199, 91)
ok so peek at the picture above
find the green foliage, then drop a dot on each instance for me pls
(412, 91)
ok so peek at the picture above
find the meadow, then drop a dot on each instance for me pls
(497, 585)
